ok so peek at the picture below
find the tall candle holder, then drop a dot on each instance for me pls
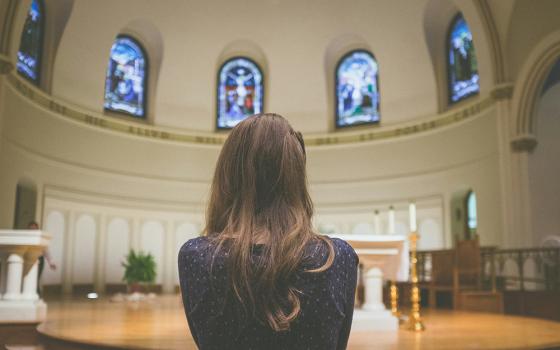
(414, 319)
(394, 292)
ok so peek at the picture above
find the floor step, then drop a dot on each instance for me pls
(484, 301)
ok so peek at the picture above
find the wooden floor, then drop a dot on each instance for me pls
(160, 324)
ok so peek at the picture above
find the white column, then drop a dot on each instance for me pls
(68, 254)
(3, 273)
(13, 280)
(169, 258)
(99, 279)
(30, 283)
(373, 290)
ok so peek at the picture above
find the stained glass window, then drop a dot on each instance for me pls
(240, 91)
(31, 44)
(357, 89)
(125, 84)
(471, 212)
(462, 66)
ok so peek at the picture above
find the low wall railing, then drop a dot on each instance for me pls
(509, 269)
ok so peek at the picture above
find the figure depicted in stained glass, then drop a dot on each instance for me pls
(31, 44)
(125, 84)
(462, 66)
(357, 90)
(240, 91)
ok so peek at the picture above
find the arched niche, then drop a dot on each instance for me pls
(544, 161)
(150, 39)
(151, 241)
(55, 225)
(438, 16)
(527, 91)
(57, 14)
(83, 261)
(247, 49)
(334, 51)
(117, 246)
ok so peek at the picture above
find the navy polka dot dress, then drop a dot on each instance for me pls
(327, 301)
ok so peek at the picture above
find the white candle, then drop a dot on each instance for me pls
(391, 220)
(376, 222)
(412, 213)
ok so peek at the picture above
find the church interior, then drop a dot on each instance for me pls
(431, 129)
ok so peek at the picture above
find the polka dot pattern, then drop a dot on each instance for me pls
(216, 322)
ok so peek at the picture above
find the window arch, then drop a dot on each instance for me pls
(462, 67)
(357, 89)
(31, 43)
(472, 218)
(240, 91)
(127, 73)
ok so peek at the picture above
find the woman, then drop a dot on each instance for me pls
(34, 225)
(261, 278)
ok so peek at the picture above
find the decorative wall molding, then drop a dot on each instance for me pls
(524, 143)
(498, 63)
(99, 120)
(6, 66)
(530, 82)
(502, 92)
(10, 8)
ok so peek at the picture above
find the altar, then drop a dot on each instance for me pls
(383, 257)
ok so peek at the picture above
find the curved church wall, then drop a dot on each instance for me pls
(348, 180)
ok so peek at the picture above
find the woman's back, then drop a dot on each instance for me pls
(218, 321)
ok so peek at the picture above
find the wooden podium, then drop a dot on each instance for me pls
(384, 257)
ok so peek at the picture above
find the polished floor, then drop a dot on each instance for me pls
(160, 324)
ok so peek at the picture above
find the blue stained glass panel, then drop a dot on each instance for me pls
(462, 65)
(125, 84)
(31, 42)
(357, 90)
(240, 91)
(472, 222)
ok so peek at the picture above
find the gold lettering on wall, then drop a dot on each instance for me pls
(40, 98)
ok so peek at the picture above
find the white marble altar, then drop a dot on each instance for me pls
(384, 257)
(19, 250)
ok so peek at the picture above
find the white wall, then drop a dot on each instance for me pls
(193, 38)
(52, 150)
(102, 230)
(149, 192)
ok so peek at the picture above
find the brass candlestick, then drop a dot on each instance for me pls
(414, 319)
(394, 291)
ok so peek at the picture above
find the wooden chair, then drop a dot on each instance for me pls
(458, 271)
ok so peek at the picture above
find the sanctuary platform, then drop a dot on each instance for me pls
(160, 324)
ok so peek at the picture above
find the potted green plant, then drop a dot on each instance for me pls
(139, 270)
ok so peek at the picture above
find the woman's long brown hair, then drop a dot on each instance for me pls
(259, 196)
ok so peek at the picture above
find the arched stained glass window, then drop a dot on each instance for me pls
(357, 89)
(125, 84)
(240, 91)
(472, 222)
(31, 45)
(462, 68)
